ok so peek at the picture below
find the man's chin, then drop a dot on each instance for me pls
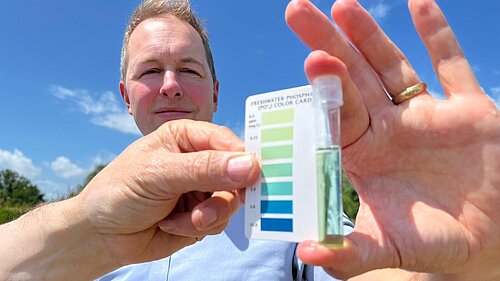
(160, 121)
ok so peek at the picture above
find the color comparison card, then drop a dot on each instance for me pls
(279, 129)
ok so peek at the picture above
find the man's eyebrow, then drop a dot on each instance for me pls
(192, 60)
(146, 60)
(183, 60)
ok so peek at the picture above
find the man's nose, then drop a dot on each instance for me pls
(171, 87)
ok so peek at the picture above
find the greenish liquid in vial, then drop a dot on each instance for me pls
(329, 182)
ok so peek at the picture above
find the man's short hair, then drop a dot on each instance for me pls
(180, 9)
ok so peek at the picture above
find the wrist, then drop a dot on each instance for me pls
(54, 242)
(78, 245)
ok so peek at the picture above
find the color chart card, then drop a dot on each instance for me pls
(279, 129)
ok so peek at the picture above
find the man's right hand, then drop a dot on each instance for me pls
(176, 165)
(184, 177)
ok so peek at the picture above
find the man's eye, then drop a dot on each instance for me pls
(151, 71)
(191, 71)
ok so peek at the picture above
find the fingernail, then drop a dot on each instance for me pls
(310, 245)
(206, 217)
(239, 167)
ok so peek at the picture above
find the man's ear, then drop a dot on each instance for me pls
(216, 95)
(123, 92)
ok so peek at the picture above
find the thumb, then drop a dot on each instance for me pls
(207, 171)
(359, 254)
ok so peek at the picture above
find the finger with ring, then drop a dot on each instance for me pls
(409, 93)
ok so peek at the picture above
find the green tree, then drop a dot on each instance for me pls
(17, 195)
(89, 177)
(350, 199)
(18, 190)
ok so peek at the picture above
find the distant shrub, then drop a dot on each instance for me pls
(9, 213)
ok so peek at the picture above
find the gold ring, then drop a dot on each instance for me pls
(410, 92)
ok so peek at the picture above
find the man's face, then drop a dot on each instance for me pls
(168, 76)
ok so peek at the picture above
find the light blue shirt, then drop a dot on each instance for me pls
(227, 256)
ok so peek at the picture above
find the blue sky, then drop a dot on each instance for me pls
(60, 107)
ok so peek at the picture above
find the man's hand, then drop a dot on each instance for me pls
(183, 177)
(426, 171)
(163, 179)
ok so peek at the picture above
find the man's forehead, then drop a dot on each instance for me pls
(168, 26)
(155, 23)
(166, 32)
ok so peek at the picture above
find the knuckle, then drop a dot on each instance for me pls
(226, 130)
(205, 166)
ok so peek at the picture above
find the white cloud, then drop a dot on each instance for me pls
(62, 93)
(69, 173)
(18, 162)
(87, 103)
(104, 109)
(106, 103)
(64, 168)
(52, 190)
(104, 157)
(379, 11)
(121, 122)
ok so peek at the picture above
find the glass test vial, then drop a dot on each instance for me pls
(327, 100)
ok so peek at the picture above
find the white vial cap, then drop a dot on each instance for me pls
(327, 90)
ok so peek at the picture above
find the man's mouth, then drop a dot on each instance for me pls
(173, 114)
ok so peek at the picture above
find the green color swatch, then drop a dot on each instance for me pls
(277, 170)
(277, 152)
(277, 117)
(276, 188)
(277, 134)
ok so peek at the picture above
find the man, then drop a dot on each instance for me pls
(422, 208)
(168, 73)
(162, 44)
